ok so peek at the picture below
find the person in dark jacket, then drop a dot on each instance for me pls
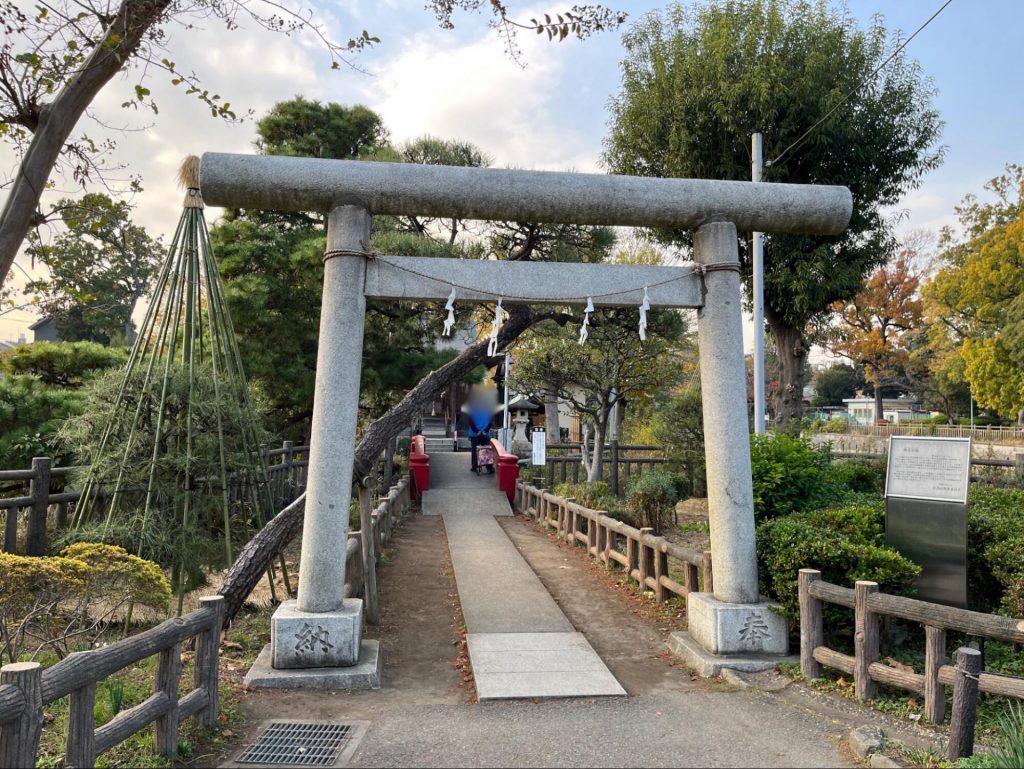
(480, 419)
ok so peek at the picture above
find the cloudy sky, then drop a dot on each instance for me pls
(550, 114)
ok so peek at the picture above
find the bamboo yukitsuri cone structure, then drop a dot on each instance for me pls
(180, 442)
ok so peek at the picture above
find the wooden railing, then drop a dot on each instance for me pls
(621, 462)
(1010, 470)
(25, 688)
(646, 558)
(390, 510)
(989, 434)
(865, 665)
(286, 476)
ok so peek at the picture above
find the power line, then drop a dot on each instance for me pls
(860, 85)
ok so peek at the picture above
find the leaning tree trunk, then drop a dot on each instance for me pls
(58, 119)
(257, 556)
(792, 351)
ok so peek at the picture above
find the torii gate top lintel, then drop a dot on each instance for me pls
(314, 184)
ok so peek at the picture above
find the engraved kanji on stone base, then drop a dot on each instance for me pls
(309, 639)
(755, 632)
(300, 639)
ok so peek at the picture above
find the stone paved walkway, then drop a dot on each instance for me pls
(521, 645)
(421, 716)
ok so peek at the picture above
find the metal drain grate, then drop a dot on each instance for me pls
(286, 743)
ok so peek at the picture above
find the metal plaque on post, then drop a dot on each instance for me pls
(926, 512)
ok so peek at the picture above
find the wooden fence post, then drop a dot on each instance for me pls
(646, 559)
(632, 556)
(614, 462)
(812, 632)
(934, 659)
(19, 739)
(865, 640)
(80, 751)
(691, 583)
(707, 575)
(368, 542)
(39, 489)
(660, 570)
(168, 682)
(207, 675)
(965, 703)
(287, 460)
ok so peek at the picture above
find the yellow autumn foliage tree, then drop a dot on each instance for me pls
(977, 298)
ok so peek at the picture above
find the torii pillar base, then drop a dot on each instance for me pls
(317, 650)
(742, 636)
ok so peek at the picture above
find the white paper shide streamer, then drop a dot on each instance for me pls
(645, 305)
(499, 318)
(449, 322)
(584, 327)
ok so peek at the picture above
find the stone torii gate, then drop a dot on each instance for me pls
(321, 632)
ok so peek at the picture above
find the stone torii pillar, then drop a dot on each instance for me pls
(316, 640)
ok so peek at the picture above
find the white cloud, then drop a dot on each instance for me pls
(476, 92)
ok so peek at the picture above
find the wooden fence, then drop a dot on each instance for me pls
(866, 667)
(621, 463)
(25, 687)
(286, 477)
(1010, 471)
(652, 561)
(994, 434)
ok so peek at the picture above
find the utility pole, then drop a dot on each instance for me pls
(757, 165)
(506, 421)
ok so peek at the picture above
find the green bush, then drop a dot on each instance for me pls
(651, 498)
(845, 544)
(596, 495)
(995, 549)
(861, 475)
(790, 476)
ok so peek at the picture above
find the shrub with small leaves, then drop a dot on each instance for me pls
(651, 498)
(790, 475)
(55, 601)
(845, 544)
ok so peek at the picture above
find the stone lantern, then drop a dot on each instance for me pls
(520, 408)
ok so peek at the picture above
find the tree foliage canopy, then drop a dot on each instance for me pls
(696, 81)
(99, 267)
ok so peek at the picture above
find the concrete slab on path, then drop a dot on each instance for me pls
(521, 645)
(465, 502)
(524, 665)
(497, 588)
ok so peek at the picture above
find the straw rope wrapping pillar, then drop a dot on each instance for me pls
(335, 410)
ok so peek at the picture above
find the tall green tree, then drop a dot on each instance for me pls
(697, 80)
(99, 267)
(304, 128)
(39, 390)
(838, 381)
(976, 299)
